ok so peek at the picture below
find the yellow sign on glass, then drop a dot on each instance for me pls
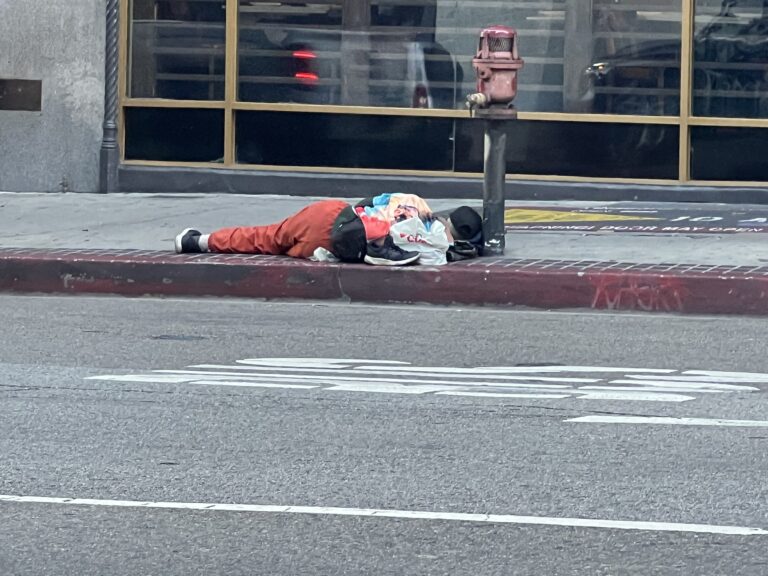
(522, 216)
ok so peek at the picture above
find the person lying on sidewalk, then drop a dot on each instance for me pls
(463, 226)
(329, 224)
(346, 232)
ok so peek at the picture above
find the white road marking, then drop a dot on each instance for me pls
(332, 378)
(402, 514)
(398, 372)
(752, 376)
(683, 384)
(690, 378)
(316, 362)
(251, 384)
(669, 421)
(691, 386)
(596, 383)
(654, 389)
(517, 369)
(386, 388)
(170, 379)
(146, 378)
(503, 395)
(634, 396)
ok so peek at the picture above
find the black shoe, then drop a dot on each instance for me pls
(187, 241)
(389, 254)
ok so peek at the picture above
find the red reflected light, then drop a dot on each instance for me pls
(304, 54)
(307, 77)
(420, 97)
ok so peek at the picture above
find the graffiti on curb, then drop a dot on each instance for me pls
(615, 292)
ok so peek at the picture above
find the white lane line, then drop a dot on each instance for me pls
(385, 388)
(634, 396)
(143, 378)
(753, 376)
(690, 378)
(669, 421)
(322, 378)
(503, 395)
(316, 380)
(170, 379)
(317, 362)
(396, 372)
(249, 384)
(516, 369)
(652, 389)
(644, 380)
(403, 514)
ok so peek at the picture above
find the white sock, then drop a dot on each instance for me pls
(203, 242)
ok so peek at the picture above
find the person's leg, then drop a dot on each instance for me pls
(298, 235)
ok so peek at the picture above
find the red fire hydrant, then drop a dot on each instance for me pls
(496, 64)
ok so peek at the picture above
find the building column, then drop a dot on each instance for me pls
(110, 151)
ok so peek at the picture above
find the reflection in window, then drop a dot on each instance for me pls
(177, 49)
(635, 59)
(417, 53)
(731, 59)
(369, 56)
(288, 52)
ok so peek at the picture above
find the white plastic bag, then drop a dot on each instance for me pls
(432, 244)
(323, 255)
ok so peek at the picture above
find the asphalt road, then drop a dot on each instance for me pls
(398, 429)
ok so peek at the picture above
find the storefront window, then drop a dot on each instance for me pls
(288, 52)
(344, 140)
(722, 153)
(177, 49)
(596, 149)
(593, 57)
(609, 57)
(620, 57)
(608, 150)
(731, 59)
(174, 134)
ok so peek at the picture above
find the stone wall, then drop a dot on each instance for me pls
(60, 42)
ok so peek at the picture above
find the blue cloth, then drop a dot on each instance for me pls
(378, 202)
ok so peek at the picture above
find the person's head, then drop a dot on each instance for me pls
(465, 223)
(348, 240)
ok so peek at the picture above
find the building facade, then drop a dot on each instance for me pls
(337, 96)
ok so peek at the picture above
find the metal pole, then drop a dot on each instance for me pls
(110, 153)
(495, 168)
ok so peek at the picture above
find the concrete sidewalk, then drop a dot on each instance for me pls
(122, 244)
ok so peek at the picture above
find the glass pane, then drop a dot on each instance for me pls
(174, 134)
(288, 51)
(633, 50)
(596, 150)
(177, 49)
(414, 143)
(731, 59)
(729, 153)
(344, 140)
(579, 56)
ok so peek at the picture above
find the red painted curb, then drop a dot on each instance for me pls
(537, 284)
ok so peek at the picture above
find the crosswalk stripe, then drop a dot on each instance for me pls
(595, 383)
